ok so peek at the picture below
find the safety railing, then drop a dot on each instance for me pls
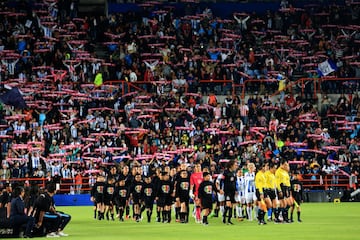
(303, 86)
(325, 182)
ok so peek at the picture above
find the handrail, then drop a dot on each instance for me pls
(309, 181)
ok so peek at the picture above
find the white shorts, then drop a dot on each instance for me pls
(240, 198)
(221, 197)
(250, 197)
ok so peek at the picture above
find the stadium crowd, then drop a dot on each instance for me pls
(76, 123)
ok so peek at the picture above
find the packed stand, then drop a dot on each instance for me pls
(73, 128)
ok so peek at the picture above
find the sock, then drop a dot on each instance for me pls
(198, 213)
(158, 214)
(216, 211)
(298, 214)
(142, 209)
(99, 214)
(148, 214)
(163, 213)
(107, 215)
(230, 214)
(224, 214)
(222, 210)
(291, 215)
(95, 213)
(177, 211)
(249, 213)
(127, 210)
(270, 213)
(112, 215)
(205, 219)
(261, 215)
(256, 210)
(234, 213)
(169, 215)
(121, 212)
(276, 213)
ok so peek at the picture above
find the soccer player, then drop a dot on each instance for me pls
(250, 197)
(109, 197)
(270, 189)
(195, 180)
(219, 182)
(283, 188)
(97, 196)
(136, 196)
(297, 195)
(129, 178)
(260, 180)
(182, 192)
(164, 198)
(229, 190)
(121, 197)
(240, 194)
(148, 196)
(205, 192)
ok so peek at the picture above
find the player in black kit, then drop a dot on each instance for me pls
(148, 196)
(136, 196)
(206, 190)
(97, 196)
(164, 198)
(121, 197)
(109, 197)
(297, 194)
(182, 195)
(229, 190)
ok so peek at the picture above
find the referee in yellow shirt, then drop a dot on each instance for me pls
(270, 191)
(260, 181)
(283, 187)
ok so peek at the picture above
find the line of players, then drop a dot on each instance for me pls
(242, 195)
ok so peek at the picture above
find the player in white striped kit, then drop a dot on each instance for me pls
(250, 196)
(220, 195)
(240, 194)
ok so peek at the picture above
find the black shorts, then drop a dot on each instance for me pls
(270, 193)
(121, 202)
(257, 194)
(108, 201)
(99, 198)
(206, 203)
(230, 197)
(286, 191)
(164, 201)
(297, 198)
(184, 199)
(136, 200)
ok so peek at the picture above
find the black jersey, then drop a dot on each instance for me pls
(296, 190)
(109, 191)
(205, 192)
(229, 182)
(121, 193)
(165, 188)
(136, 190)
(98, 189)
(183, 187)
(148, 191)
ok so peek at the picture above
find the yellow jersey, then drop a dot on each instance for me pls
(282, 177)
(260, 180)
(270, 182)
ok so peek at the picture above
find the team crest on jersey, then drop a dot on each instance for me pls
(165, 188)
(138, 188)
(184, 185)
(122, 193)
(100, 189)
(297, 187)
(232, 179)
(148, 191)
(110, 190)
(208, 189)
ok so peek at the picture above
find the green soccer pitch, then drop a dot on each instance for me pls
(320, 221)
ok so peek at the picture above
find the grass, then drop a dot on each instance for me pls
(320, 221)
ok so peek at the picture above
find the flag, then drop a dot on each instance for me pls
(98, 80)
(14, 98)
(326, 67)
